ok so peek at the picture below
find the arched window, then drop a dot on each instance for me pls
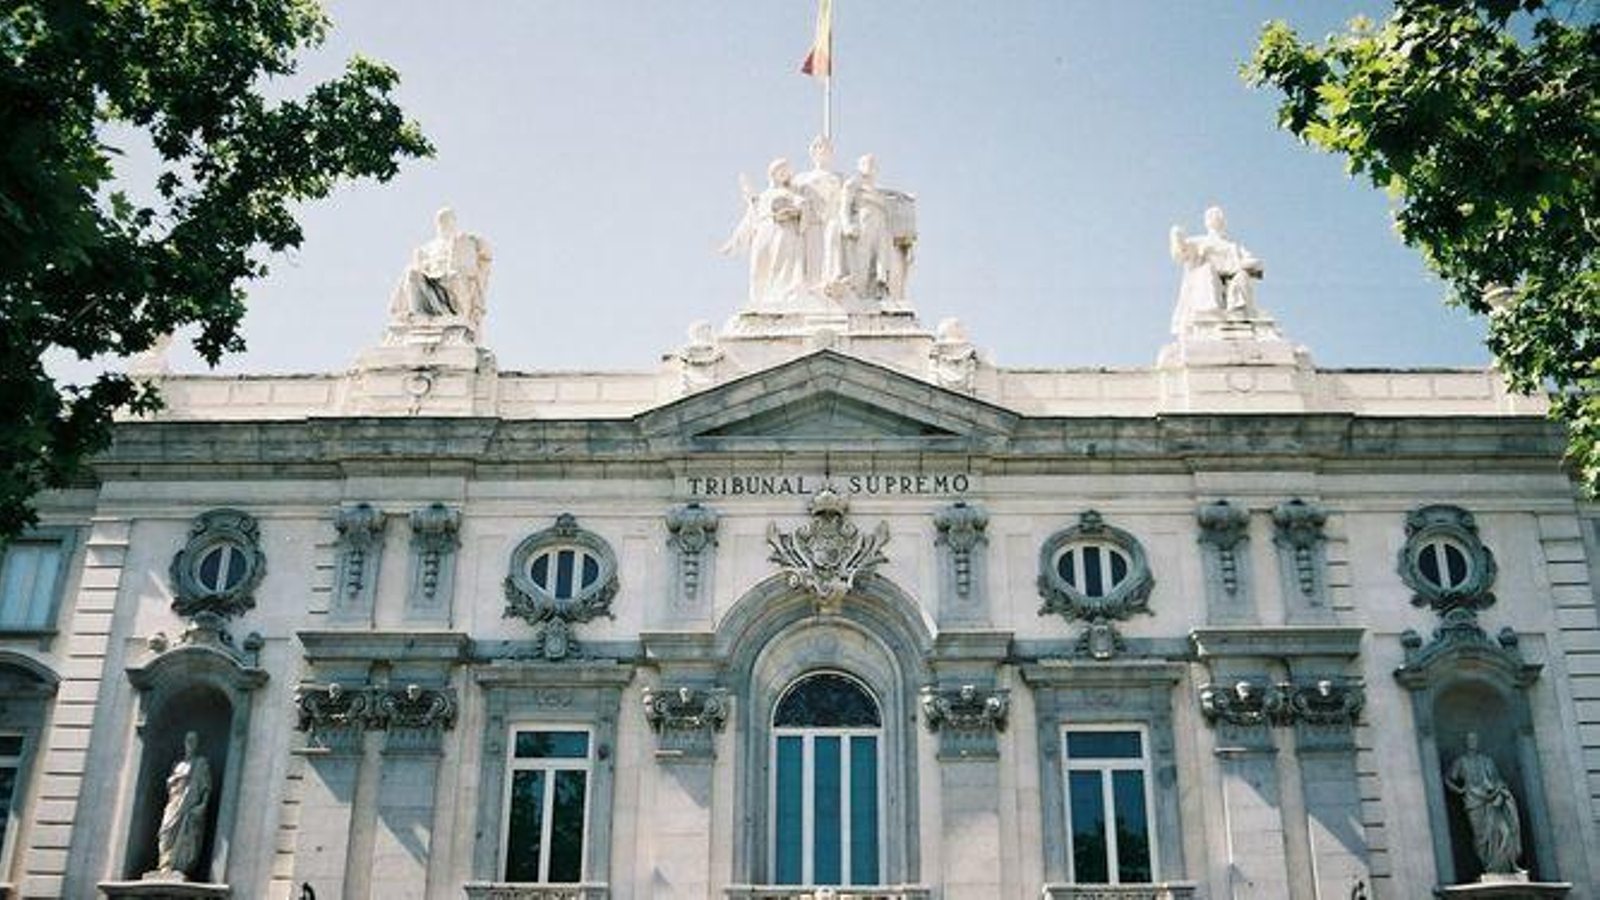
(827, 740)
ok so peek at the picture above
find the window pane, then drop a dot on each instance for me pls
(1093, 586)
(523, 833)
(563, 589)
(29, 570)
(10, 745)
(211, 568)
(787, 815)
(863, 810)
(1133, 828)
(8, 787)
(552, 745)
(591, 571)
(540, 571)
(1119, 567)
(1428, 564)
(826, 828)
(1455, 564)
(826, 700)
(1104, 745)
(566, 827)
(1087, 808)
(1067, 565)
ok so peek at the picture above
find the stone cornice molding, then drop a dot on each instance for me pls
(1117, 673)
(1278, 642)
(351, 645)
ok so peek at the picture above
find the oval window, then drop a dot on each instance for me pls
(222, 567)
(564, 572)
(1093, 570)
(1444, 563)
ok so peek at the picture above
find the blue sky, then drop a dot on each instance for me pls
(1051, 144)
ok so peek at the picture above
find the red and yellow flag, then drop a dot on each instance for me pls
(819, 62)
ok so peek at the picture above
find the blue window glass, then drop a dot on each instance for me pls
(540, 570)
(863, 810)
(790, 833)
(1067, 565)
(1090, 862)
(1093, 586)
(564, 560)
(525, 834)
(552, 744)
(827, 700)
(1104, 745)
(566, 827)
(29, 573)
(1133, 831)
(826, 824)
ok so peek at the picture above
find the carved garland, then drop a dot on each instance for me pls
(1253, 702)
(961, 527)
(965, 708)
(435, 530)
(360, 530)
(334, 707)
(825, 556)
(693, 530)
(1300, 530)
(1224, 526)
(685, 709)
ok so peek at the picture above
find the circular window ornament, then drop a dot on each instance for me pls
(1443, 561)
(559, 577)
(1094, 572)
(218, 570)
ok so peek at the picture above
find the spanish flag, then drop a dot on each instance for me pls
(819, 62)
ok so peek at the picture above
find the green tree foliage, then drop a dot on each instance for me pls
(87, 269)
(1482, 119)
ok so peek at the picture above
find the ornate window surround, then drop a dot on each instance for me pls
(1455, 525)
(1129, 596)
(552, 617)
(212, 529)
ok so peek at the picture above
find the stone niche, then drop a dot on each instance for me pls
(1465, 707)
(206, 711)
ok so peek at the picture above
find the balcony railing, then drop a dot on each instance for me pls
(1169, 890)
(501, 890)
(853, 892)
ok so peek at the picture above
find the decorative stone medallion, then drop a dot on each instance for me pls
(1097, 574)
(217, 571)
(825, 556)
(560, 577)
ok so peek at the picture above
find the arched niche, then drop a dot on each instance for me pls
(772, 638)
(1464, 681)
(203, 687)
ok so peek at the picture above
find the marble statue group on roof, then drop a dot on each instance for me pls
(821, 239)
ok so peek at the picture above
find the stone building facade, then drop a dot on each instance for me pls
(824, 601)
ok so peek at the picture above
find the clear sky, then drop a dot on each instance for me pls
(1050, 143)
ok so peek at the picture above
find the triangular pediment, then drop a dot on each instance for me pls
(828, 399)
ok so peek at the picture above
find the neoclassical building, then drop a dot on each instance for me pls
(823, 605)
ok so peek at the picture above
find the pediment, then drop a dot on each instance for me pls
(828, 399)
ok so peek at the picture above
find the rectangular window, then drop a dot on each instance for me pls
(547, 805)
(825, 804)
(30, 578)
(1108, 805)
(10, 771)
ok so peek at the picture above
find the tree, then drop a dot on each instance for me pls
(86, 267)
(1482, 119)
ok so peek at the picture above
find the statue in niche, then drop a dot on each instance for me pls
(1218, 276)
(183, 821)
(446, 280)
(824, 245)
(1491, 809)
(770, 232)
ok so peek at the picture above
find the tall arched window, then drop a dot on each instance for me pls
(827, 796)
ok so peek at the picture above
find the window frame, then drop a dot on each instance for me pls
(1141, 765)
(547, 815)
(1107, 549)
(808, 735)
(13, 821)
(66, 541)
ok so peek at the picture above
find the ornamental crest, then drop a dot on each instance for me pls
(825, 556)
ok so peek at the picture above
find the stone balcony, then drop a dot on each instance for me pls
(1169, 890)
(860, 892)
(500, 890)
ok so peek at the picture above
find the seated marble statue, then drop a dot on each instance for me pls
(1218, 275)
(446, 279)
(770, 232)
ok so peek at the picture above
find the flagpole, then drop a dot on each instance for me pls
(827, 83)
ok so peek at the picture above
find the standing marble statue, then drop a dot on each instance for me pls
(770, 232)
(446, 280)
(1490, 806)
(183, 821)
(1218, 275)
(866, 228)
(820, 226)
